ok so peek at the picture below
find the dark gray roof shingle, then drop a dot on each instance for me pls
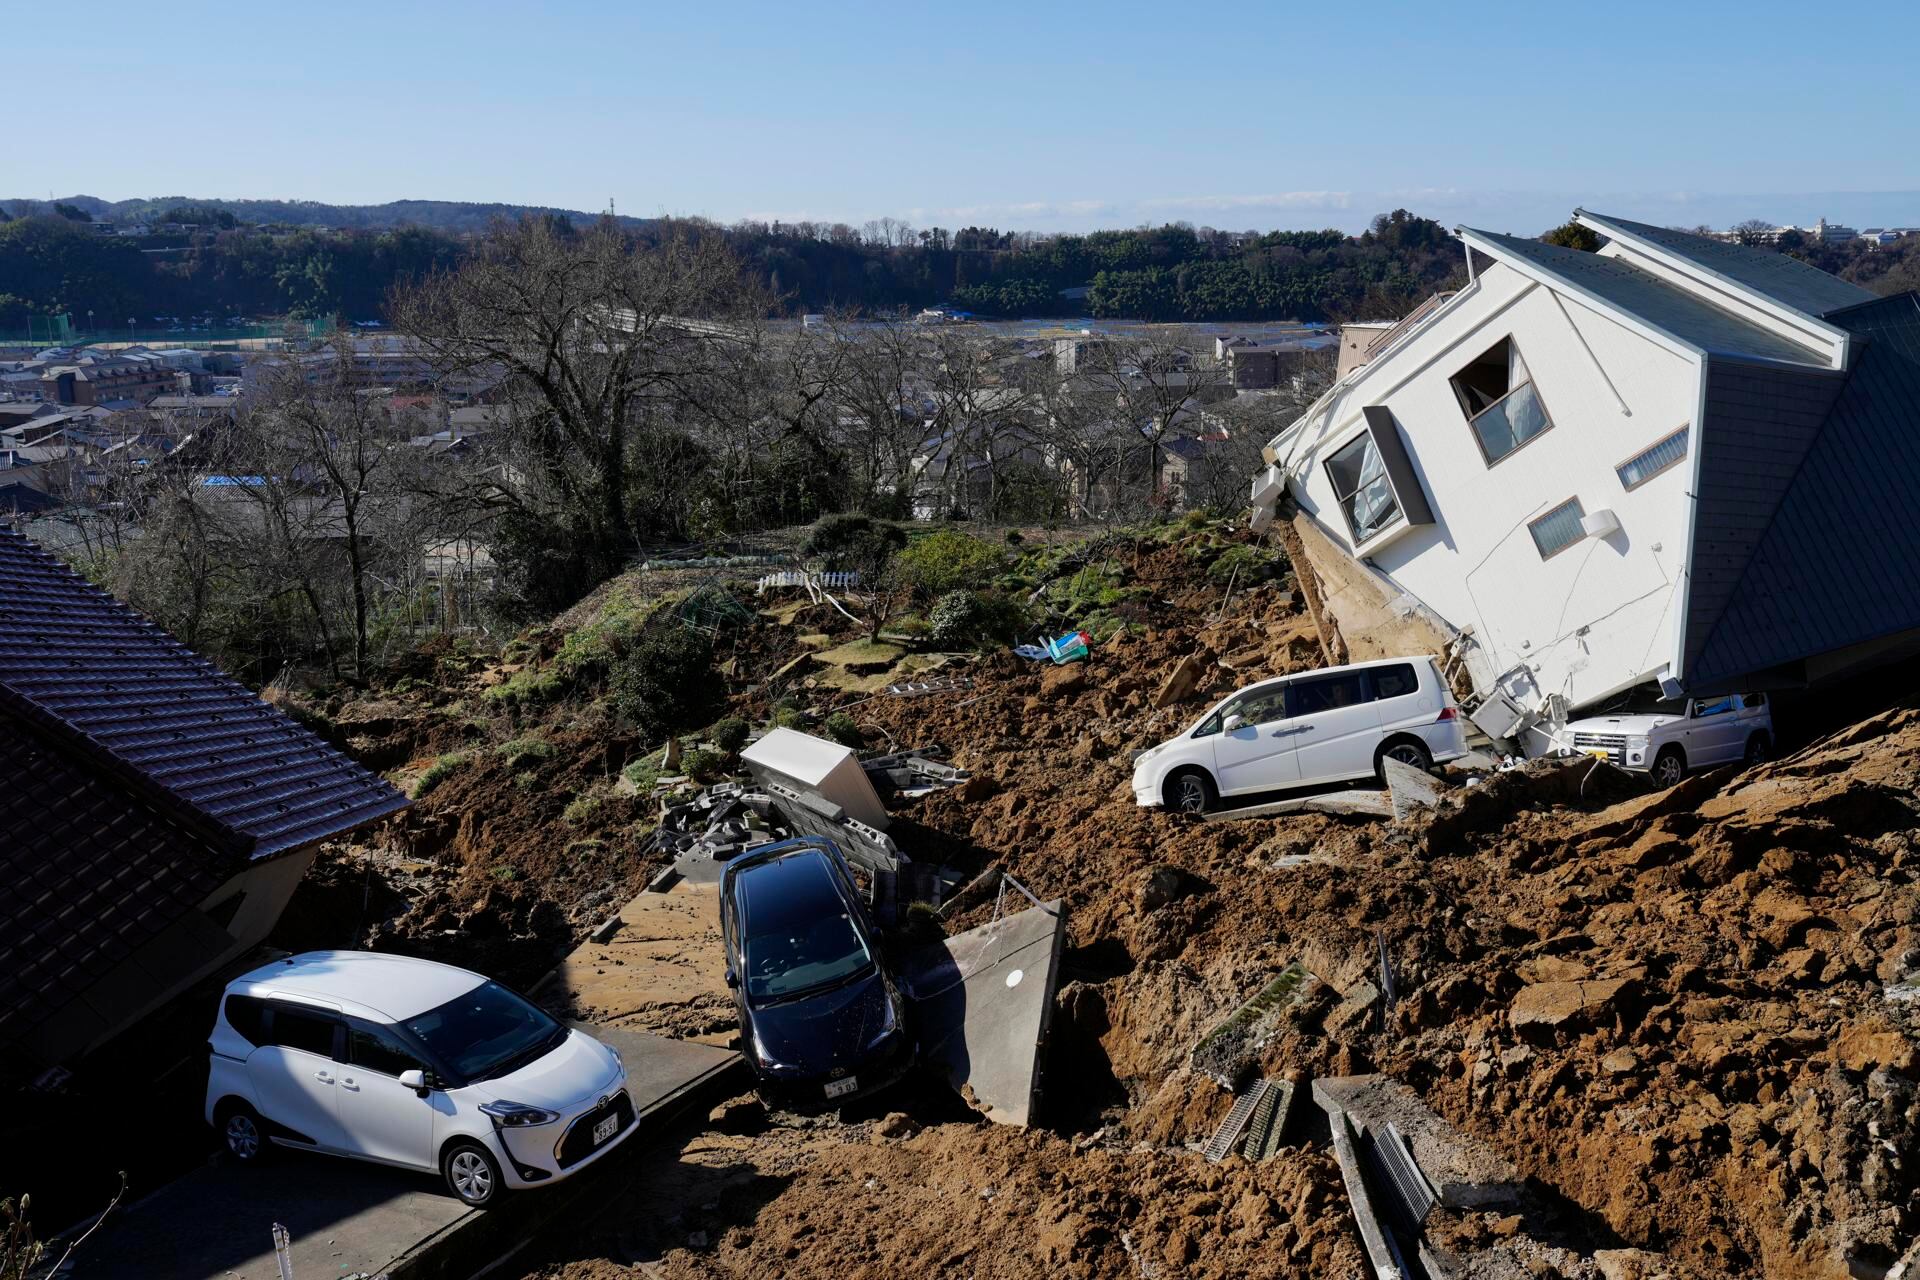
(103, 681)
(1778, 276)
(1835, 566)
(1665, 306)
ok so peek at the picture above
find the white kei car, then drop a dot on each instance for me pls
(1669, 738)
(1323, 726)
(410, 1063)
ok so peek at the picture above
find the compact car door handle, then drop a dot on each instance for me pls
(323, 1077)
(346, 1082)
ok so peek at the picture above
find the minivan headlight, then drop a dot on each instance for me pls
(518, 1115)
(887, 1028)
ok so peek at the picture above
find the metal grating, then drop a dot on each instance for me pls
(1269, 1120)
(1234, 1127)
(1408, 1195)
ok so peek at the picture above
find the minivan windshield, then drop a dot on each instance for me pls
(489, 1031)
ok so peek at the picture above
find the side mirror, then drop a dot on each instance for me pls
(415, 1080)
(733, 979)
(1231, 723)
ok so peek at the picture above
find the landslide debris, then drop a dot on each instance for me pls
(1668, 1009)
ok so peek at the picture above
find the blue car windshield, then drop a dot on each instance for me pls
(489, 1031)
(821, 953)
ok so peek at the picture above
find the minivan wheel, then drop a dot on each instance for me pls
(243, 1133)
(1669, 767)
(1758, 749)
(1192, 793)
(1407, 752)
(472, 1173)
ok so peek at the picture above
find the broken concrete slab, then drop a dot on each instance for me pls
(1463, 1171)
(1383, 1254)
(664, 967)
(984, 1001)
(1410, 790)
(1226, 1053)
(810, 764)
(1365, 804)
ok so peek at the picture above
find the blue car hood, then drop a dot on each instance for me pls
(818, 1033)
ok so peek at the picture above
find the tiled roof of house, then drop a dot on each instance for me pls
(120, 693)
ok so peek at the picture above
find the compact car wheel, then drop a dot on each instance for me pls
(472, 1173)
(1758, 748)
(1669, 767)
(243, 1133)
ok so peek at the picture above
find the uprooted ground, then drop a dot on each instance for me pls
(1667, 1008)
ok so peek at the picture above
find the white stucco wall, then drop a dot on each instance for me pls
(1598, 616)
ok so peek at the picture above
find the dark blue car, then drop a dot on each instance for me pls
(822, 1019)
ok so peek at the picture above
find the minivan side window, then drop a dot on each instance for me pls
(1394, 682)
(294, 1029)
(1753, 701)
(379, 1050)
(248, 1016)
(1327, 693)
(1713, 707)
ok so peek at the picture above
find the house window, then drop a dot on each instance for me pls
(1650, 462)
(1361, 487)
(1497, 395)
(1557, 530)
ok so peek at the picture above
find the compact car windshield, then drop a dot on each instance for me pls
(801, 957)
(486, 1032)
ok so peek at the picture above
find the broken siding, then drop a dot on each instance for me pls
(1836, 566)
(1760, 421)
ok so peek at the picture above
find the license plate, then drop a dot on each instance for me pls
(605, 1129)
(1600, 753)
(841, 1088)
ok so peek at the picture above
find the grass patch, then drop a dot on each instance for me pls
(583, 808)
(522, 752)
(438, 772)
(642, 775)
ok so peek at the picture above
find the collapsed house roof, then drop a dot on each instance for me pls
(139, 780)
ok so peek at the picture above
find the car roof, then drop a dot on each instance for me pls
(797, 880)
(362, 983)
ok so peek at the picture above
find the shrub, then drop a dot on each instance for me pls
(438, 772)
(856, 542)
(522, 752)
(1014, 538)
(666, 683)
(948, 561)
(584, 807)
(964, 618)
(703, 765)
(840, 727)
(505, 873)
(730, 734)
(787, 714)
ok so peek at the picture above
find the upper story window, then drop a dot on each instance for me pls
(1654, 459)
(1558, 529)
(1361, 487)
(1497, 395)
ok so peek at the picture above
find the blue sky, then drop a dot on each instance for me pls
(1041, 116)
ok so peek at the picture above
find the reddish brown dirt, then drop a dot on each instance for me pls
(1702, 1063)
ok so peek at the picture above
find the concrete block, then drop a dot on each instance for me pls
(1463, 1171)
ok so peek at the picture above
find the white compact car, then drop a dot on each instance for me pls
(1667, 738)
(410, 1063)
(1316, 727)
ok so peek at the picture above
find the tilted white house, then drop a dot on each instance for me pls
(1673, 461)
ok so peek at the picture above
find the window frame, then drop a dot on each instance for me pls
(1685, 431)
(1294, 687)
(318, 1012)
(1363, 436)
(1555, 509)
(415, 1053)
(1528, 381)
(1373, 682)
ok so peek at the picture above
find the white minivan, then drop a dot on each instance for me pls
(410, 1063)
(1323, 726)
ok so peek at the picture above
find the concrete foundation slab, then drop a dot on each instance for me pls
(1463, 1171)
(983, 1000)
(661, 970)
(1361, 804)
(346, 1217)
(1409, 789)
